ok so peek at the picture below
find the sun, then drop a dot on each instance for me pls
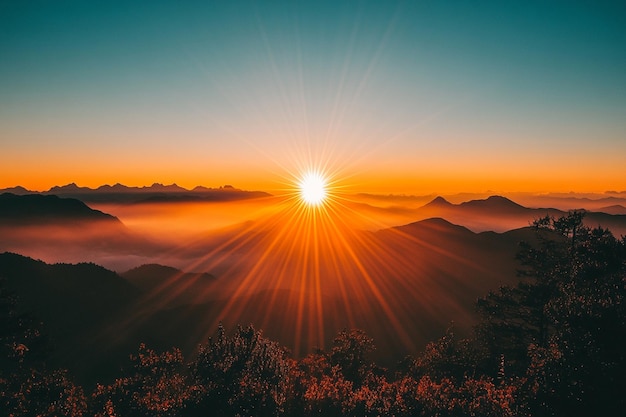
(313, 188)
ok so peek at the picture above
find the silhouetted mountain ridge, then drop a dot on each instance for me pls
(156, 192)
(499, 214)
(19, 190)
(494, 202)
(614, 209)
(118, 188)
(435, 224)
(439, 202)
(171, 285)
(48, 209)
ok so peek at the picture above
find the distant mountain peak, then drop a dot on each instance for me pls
(435, 224)
(439, 202)
(614, 209)
(495, 201)
(162, 187)
(436, 221)
(17, 190)
(200, 188)
(70, 188)
(500, 198)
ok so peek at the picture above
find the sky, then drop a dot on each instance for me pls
(385, 96)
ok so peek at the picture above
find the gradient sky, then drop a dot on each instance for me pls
(412, 97)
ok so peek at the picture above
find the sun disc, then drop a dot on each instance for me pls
(312, 188)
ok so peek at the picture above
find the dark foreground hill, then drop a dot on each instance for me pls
(167, 285)
(75, 302)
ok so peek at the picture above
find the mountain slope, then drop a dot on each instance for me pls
(169, 286)
(614, 209)
(74, 302)
(494, 204)
(66, 230)
(35, 209)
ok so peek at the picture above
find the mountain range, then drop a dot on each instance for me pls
(497, 213)
(66, 229)
(119, 193)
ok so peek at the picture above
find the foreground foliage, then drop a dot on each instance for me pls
(552, 345)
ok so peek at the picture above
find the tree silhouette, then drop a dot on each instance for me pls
(564, 325)
(449, 357)
(245, 374)
(27, 387)
(350, 353)
(22, 341)
(157, 385)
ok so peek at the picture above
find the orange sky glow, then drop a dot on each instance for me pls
(392, 178)
(391, 98)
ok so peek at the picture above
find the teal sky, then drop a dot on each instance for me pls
(414, 93)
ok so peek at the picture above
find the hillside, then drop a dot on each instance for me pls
(59, 229)
(169, 286)
(35, 209)
(75, 303)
